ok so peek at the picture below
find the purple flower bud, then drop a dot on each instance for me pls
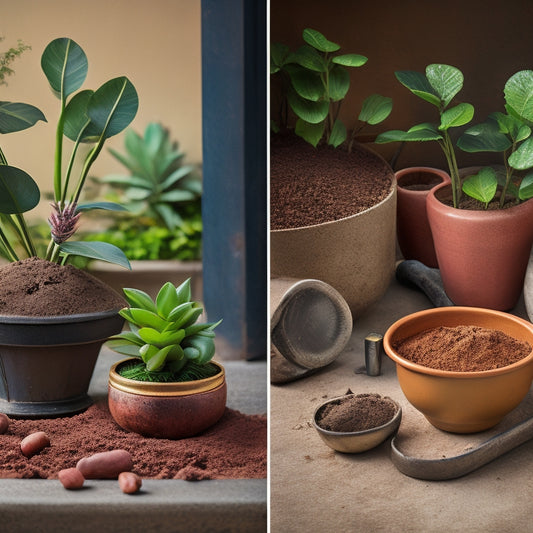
(63, 222)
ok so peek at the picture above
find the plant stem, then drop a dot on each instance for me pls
(59, 153)
(447, 147)
(10, 252)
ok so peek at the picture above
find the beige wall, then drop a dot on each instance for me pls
(155, 43)
(489, 40)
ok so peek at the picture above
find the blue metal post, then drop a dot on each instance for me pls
(234, 206)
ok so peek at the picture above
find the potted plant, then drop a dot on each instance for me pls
(475, 245)
(169, 387)
(333, 201)
(161, 229)
(49, 334)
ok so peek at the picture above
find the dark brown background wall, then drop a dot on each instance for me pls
(487, 40)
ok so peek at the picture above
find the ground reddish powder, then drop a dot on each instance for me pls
(234, 448)
(462, 348)
(356, 412)
(310, 185)
(35, 287)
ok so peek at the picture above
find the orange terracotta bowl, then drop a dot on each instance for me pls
(462, 402)
(166, 410)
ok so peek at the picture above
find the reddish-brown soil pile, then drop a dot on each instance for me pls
(462, 349)
(310, 185)
(35, 287)
(356, 412)
(235, 447)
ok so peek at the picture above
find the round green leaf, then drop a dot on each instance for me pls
(482, 186)
(522, 158)
(113, 106)
(339, 83)
(338, 134)
(312, 112)
(446, 80)
(485, 137)
(65, 65)
(16, 116)
(308, 58)
(376, 109)
(419, 85)
(307, 84)
(525, 191)
(421, 132)
(318, 41)
(18, 191)
(518, 93)
(96, 250)
(459, 115)
(77, 123)
(278, 56)
(350, 60)
(312, 133)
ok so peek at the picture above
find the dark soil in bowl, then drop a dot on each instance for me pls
(309, 186)
(462, 349)
(356, 412)
(35, 287)
(235, 447)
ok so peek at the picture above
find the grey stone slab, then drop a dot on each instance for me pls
(162, 505)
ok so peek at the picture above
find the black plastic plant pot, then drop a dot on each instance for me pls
(46, 363)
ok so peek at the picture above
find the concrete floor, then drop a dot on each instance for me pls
(314, 488)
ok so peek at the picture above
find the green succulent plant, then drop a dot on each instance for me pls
(158, 186)
(165, 337)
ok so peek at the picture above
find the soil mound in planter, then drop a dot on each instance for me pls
(310, 186)
(35, 287)
(462, 349)
(356, 412)
(235, 447)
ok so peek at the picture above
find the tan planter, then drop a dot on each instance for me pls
(149, 276)
(355, 255)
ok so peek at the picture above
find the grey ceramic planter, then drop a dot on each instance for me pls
(46, 363)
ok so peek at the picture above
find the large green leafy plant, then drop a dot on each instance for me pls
(165, 336)
(86, 117)
(508, 133)
(316, 80)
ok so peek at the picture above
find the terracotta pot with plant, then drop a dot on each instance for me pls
(170, 388)
(481, 225)
(54, 317)
(333, 201)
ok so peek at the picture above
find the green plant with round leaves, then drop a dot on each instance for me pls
(86, 117)
(507, 133)
(316, 80)
(165, 336)
(159, 186)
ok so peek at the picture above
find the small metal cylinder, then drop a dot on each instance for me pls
(373, 354)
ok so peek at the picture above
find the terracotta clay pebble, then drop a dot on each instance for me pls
(4, 423)
(71, 478)
(129, 482)
(105, 465)
(34, 443)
